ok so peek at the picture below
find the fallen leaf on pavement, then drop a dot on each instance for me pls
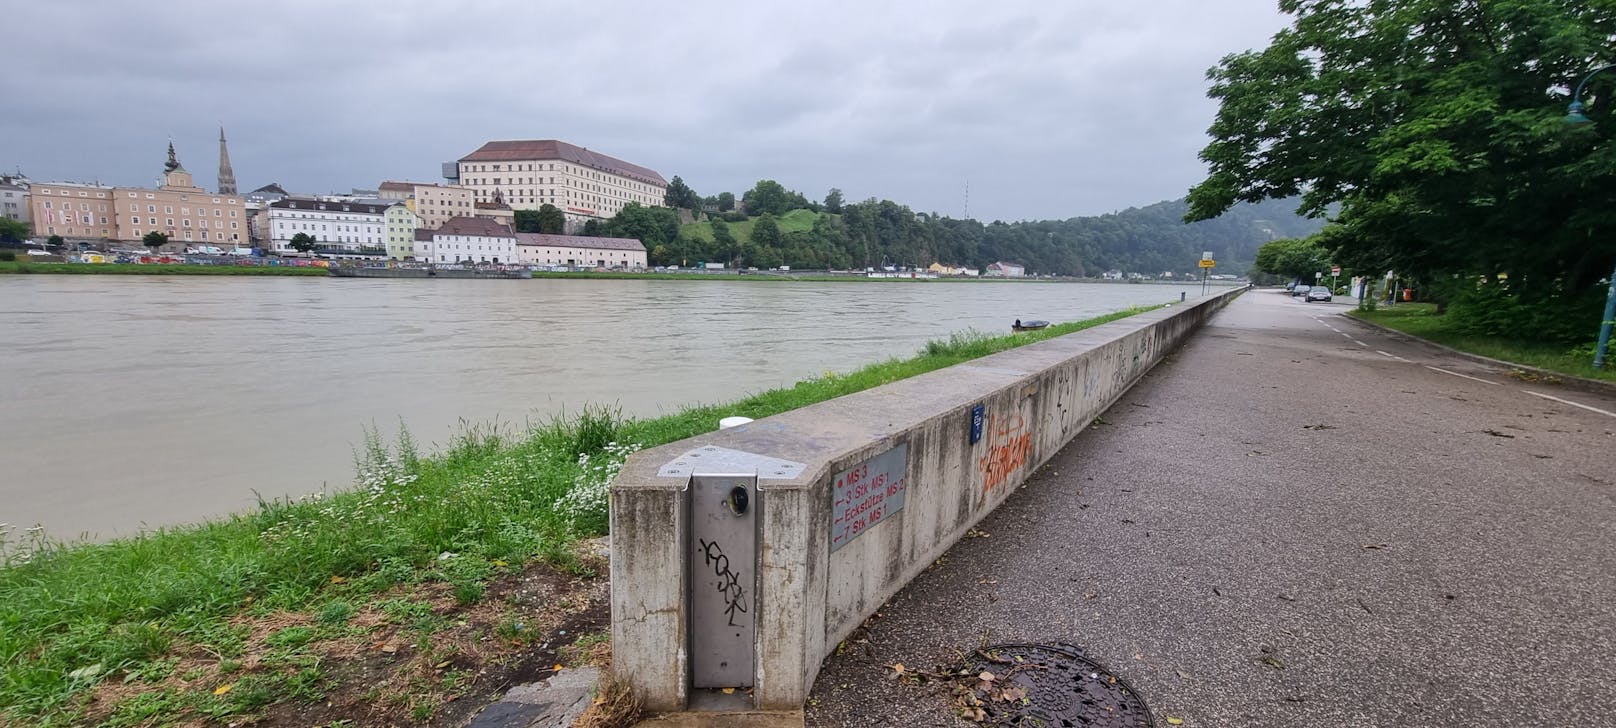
(1174, 721)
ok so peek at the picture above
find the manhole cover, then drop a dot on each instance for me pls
(1050, 686)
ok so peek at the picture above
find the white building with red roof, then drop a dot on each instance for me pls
(529, 173)
(580, 251)
(467, 240)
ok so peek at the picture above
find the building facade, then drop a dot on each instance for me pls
(1002, 269)
(179, 209)
(348, 229)
(14, 199)
(467, 240)
(401, 223)
(584, 184)
(580, 251)
(73, 211)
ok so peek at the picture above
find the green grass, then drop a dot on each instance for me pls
(793, 221)
(1422, 320)
(72, 615)
(157, 269)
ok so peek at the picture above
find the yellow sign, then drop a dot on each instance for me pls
(1209, 264)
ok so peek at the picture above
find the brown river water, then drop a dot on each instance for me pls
(132, 402)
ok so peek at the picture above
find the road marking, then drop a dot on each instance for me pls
(1466, 376)
(1606, 413)
(1394, 356)
(1360, 343)
(1343, 333)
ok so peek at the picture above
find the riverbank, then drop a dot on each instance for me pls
(434, 582)
(1422, 320)
(156, 269)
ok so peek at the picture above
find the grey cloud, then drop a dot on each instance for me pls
(1050, 109)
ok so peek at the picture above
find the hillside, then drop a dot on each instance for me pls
(1148, 240)
(793, 221)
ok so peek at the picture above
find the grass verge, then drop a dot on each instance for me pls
(157, 269)
(386, 603)
(1422, 320)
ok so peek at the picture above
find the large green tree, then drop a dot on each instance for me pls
(1432, 131)
(679, 195)
(154, 240)
(527, 221)
(726, 201)
(12, 231)
(303, 243)
(833, 201)
(551, 219)
(767, 196)
(1293, 259)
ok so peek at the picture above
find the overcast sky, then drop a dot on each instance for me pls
(1050, 109)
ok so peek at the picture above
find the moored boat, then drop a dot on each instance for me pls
(1020, 325)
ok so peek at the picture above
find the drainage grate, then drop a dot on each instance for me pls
(1052, 686)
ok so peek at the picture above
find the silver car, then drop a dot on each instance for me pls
(1318, 293)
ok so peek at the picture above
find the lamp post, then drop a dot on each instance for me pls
(1575, 116)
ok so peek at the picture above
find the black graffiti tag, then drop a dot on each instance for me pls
(729, 582)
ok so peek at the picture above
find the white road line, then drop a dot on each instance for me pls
(1343, 333)
(1606, 413)
(1394, 356)
(1360, 343)
(1466, 376)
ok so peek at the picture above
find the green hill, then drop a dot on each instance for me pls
(793, 221)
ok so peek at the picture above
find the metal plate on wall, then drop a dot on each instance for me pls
(714, 459)
(866, 494)
(723, 580)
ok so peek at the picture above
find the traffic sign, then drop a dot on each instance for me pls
(1335, 270)
(1208, 263)
(1206, 255)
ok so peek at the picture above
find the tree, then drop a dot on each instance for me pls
(1435, 127)
(12, 231)
(765, 232)
(527, 221)
(680, 196)
(303, 243)
(833, 201)
(552, 221)
(154, 240)
(724, 243)
(55, 241)
(1292, 259)
(651, 226)
(592, 227)
(767, 196)
(726, 201)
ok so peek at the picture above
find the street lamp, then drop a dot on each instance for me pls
(1575, 116)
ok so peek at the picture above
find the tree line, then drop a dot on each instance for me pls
(1435, 137)
(1150, 240)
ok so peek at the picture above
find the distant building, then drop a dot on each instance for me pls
(578, 250)
(72, 210)
(342, 229)
(227, 175)
(1112, 275)
(178, 208)
(1006, 270)
(467, 240)
(393, 190)
(585, 185)
(401, 223)
(14, 198)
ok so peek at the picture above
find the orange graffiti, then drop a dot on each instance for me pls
(1008, 450)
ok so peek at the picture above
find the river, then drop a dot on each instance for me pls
(132, 402)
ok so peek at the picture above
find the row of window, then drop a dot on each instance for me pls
(149, 195)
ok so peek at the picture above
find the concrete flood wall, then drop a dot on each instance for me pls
(854, 498)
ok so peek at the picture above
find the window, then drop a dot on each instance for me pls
(168, 209)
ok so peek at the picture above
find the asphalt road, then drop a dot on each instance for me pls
(1408, 537)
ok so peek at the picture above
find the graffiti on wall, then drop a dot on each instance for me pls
(1009, 445)
(729, 582)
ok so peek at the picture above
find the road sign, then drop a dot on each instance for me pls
(1317, 276)
(1208, 263)
(1206, 255)
(1335, 270)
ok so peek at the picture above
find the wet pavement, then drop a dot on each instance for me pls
(1294, 520)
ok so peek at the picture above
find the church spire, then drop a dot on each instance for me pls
(227, 176)
(173, 162)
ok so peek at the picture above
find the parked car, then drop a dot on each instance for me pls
(1318, 293)
(32, 251)
(1300, 290)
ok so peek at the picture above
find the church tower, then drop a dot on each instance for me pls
(174, 176)
(227, 176)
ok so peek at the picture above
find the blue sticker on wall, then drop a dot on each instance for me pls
(976, 424)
